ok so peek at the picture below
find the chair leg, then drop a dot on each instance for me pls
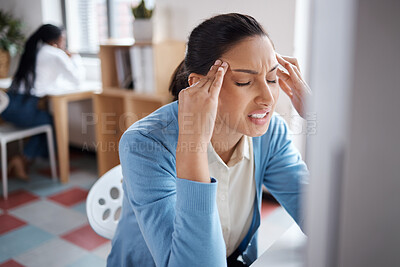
(50, 145)
(4, 168)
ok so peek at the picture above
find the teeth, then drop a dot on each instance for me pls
(258, 116)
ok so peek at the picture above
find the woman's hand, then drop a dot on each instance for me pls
(292, 83)
(198, 105)
(69, 54)
(197, 111)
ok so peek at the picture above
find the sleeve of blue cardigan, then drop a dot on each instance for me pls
(178, 218)
(286, 173)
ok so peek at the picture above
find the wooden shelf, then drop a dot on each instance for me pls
(119, 92)
(118, 108)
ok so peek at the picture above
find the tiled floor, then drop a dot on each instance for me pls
(44, 223)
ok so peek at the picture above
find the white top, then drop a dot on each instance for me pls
(236, 191)
(55, 70)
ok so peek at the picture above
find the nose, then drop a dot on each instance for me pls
(264, 96)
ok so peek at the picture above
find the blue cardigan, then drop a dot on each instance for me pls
(168, 221)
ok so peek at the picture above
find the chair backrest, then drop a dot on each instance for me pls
(104, 202)
(4, 100)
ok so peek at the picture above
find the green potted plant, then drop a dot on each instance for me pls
(11, 40)
(143, 24)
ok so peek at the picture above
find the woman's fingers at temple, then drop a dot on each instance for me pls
(292, 82)
(285, 87)
(201, 82)
(215, 87)
(292, 60)
(285, 77)
(200, 99)
(286, 63)
(207, 80)
(294, 78)
(212, 74)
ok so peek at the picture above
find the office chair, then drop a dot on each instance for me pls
(104, 202)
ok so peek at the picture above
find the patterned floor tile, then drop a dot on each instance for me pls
(11, 263)
(50, 216)
(34, 178)
(13, 186)
(83, 179)
(16, 199)
(70, 197)
(56, 252)
(9, 223)
(89, 261)
(103, 250)
(21, 240)
(85, 237)
(47, 188)
(81, 207)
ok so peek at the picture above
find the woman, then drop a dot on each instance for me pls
(194, 169)
(43, 66)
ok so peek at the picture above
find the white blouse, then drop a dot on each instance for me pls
(236, 191)
(55, 70)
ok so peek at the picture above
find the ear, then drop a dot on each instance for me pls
(194, 78)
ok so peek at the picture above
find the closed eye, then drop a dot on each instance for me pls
(274, 81)
(242, 84)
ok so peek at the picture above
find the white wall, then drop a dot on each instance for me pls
(33, 13)
(30, 12)
(277, 17)
(51, 12)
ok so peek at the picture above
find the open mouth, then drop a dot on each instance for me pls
(258, 116)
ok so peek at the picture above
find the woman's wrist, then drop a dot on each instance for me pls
(192, 161)
(191, 144)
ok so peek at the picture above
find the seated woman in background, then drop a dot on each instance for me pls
(193, 170)
(43, 64)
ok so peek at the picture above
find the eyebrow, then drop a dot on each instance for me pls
(253, 71)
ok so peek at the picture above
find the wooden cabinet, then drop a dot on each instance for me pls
(116, 108)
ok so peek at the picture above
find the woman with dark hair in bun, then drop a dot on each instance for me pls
(193, 170)
(44, 64)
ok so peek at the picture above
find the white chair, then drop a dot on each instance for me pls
(9, 133)
(104, 202)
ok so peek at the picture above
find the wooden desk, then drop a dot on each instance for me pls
(59, 101)
(60, 114)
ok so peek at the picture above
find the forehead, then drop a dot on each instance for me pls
(254, 53)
